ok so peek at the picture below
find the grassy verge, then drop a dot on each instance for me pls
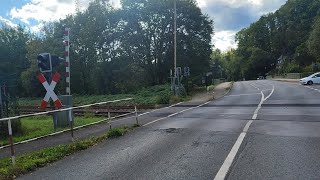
(146, 96)
(43, 125)
(30, 162)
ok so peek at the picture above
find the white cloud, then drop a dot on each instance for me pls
(7, 22)
(259, 4)
(116, 3)
(44, 10)
(37, 28)
(202, 3)
(225, 40)
(230, 16)
(237, 14)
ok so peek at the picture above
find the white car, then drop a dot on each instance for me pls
(312, 79)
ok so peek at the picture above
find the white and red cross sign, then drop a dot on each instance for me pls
(50, 93)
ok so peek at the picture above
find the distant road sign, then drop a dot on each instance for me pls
(186, 71)
(50, 93)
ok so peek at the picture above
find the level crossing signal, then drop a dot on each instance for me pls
(46, 62)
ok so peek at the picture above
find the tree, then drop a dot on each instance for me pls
(12, 62)
(284, 33)
(314, 39)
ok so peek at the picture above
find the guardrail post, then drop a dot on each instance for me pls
(109, 117)
(71, 124)
(136, 113)
(11, 143)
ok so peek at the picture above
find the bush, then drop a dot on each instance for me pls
(175, 99)
(164, 98)
(116, 132)
(292, 68)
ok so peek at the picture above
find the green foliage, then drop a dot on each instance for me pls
(41, 125)
(116, 132)
(29, 162)
(144, 96)
(163, 98)
(117, 51)
(12, 62)
(292, 68)
(314, 39)
(284, 34)
(175, 99)
(113, 51)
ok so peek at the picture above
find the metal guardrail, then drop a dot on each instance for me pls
(291, 75)
(11, 143)
(94, 110)
(64, 109)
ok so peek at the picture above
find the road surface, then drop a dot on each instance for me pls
(260, 130)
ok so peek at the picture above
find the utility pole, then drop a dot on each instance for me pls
(175, 47)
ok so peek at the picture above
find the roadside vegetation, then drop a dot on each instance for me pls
(154, 95)
(285, 41)
(37, 126)
(115, 53)
(30, 162)
(33, 127)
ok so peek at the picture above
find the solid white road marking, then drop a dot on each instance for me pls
(176, 113)
(237, 95)
(230, 158)
(270, 93)
(159, 109)
(246, 128)
(227, 163)
(186, 109)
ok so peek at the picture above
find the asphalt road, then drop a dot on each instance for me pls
(260, 130)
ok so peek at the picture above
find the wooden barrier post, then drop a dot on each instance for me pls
(11, 143)
(136, 113)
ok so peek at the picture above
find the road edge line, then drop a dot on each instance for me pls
(176, 113)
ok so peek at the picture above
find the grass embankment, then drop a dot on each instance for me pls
(147, 96)
(29, 162)
(43, 125)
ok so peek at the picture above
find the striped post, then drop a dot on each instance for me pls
(67, 56)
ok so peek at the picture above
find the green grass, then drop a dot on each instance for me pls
(146, 96)
(32, 161)
(116, 132)
(43, 125)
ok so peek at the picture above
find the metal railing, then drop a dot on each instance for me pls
(9, 119)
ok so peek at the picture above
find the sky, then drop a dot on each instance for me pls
(229, 16)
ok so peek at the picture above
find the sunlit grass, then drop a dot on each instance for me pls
(43, 125)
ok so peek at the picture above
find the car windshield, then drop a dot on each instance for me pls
(312, 75)
(159, 89)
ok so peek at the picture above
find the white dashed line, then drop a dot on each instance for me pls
(255, 87)
(313, 88)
